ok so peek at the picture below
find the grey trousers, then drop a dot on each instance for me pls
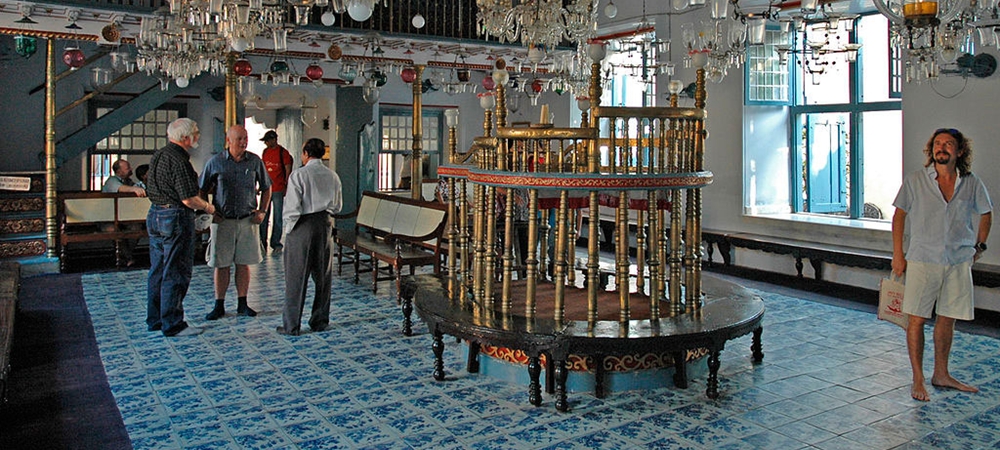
(307, 254)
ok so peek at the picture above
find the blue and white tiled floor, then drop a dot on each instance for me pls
(832, 378)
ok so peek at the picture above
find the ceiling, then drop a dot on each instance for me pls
(448, 38)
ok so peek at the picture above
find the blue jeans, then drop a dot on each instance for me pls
(278, 206)
(171, 259)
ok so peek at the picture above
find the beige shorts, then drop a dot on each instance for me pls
(947, 287)
(234, 241)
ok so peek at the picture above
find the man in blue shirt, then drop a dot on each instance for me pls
(941, 206)
(234, 178)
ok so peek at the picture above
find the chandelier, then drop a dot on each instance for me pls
(819, 37)
(544, 23)
(719, 45)
(195, 36)
(931, 33)
(640, 52)
(816, 35)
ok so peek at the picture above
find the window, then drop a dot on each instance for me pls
(767, 77)
(139, 139)
(842, 118)
(397, 144)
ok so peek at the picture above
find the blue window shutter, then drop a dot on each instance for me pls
(827, 165)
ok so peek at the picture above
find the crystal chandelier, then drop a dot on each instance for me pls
(720, 44)
(195, 36)
(929, 34)
(537, 22)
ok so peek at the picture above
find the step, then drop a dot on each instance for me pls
(22, 247)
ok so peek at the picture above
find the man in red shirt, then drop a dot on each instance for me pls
(278, 163)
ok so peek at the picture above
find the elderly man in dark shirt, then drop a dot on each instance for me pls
(234, 178)
(173, 193)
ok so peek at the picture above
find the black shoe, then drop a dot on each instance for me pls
(246, 311)
(320, 328)
(281, 330)
(216, 314)
(156, 327)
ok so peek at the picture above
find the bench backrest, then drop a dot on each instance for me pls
(96, 207)
(388, 214)
(132, 208)
(89, 210)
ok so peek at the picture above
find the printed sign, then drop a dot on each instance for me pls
(15, 183)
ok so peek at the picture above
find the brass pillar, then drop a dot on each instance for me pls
(416, 159)
(51, 227)
(230, 113)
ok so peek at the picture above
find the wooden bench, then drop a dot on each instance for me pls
(985, 275)
(398, 231)
(816, 253)
(10, 280)
(86, 216)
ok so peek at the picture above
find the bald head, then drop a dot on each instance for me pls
(236, 140)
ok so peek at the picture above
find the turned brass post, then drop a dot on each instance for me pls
(654, 262)
(452, 232)
(416, 158)
(51, 180)
(230, 112)
(562, 235)
(694, 202)
(622, 262)
(675, 252)
(463, 237)
(531, 271)
(490, 251)
(487, 123)
(508, 252)
(593, 258)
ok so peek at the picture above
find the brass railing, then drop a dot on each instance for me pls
(643, 162)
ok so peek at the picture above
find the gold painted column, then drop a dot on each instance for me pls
(51, 227)
(416, 159)
(230, 119)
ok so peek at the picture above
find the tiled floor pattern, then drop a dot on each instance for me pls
(832, 378)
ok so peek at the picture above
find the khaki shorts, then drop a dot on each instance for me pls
(234, 241)
(948, 287)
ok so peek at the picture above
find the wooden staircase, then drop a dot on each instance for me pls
(22, 222)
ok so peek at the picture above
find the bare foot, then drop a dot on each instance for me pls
(919, 392)
(950, 383)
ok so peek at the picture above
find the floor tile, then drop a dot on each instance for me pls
(832, 378)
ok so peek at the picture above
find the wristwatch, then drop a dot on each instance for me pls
(981, 246)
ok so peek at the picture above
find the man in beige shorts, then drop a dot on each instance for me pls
(948, 213)
(234, 178)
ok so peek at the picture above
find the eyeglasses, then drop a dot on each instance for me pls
(950, 131)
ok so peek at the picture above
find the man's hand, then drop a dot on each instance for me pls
(257, 216)
(898, 265)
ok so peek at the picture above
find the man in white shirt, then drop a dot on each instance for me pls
(313, 194)
(946, 212)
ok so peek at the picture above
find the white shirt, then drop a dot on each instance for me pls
(311, 189)
(941, 232)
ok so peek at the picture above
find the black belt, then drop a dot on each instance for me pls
(170, 206)
(238, 218)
